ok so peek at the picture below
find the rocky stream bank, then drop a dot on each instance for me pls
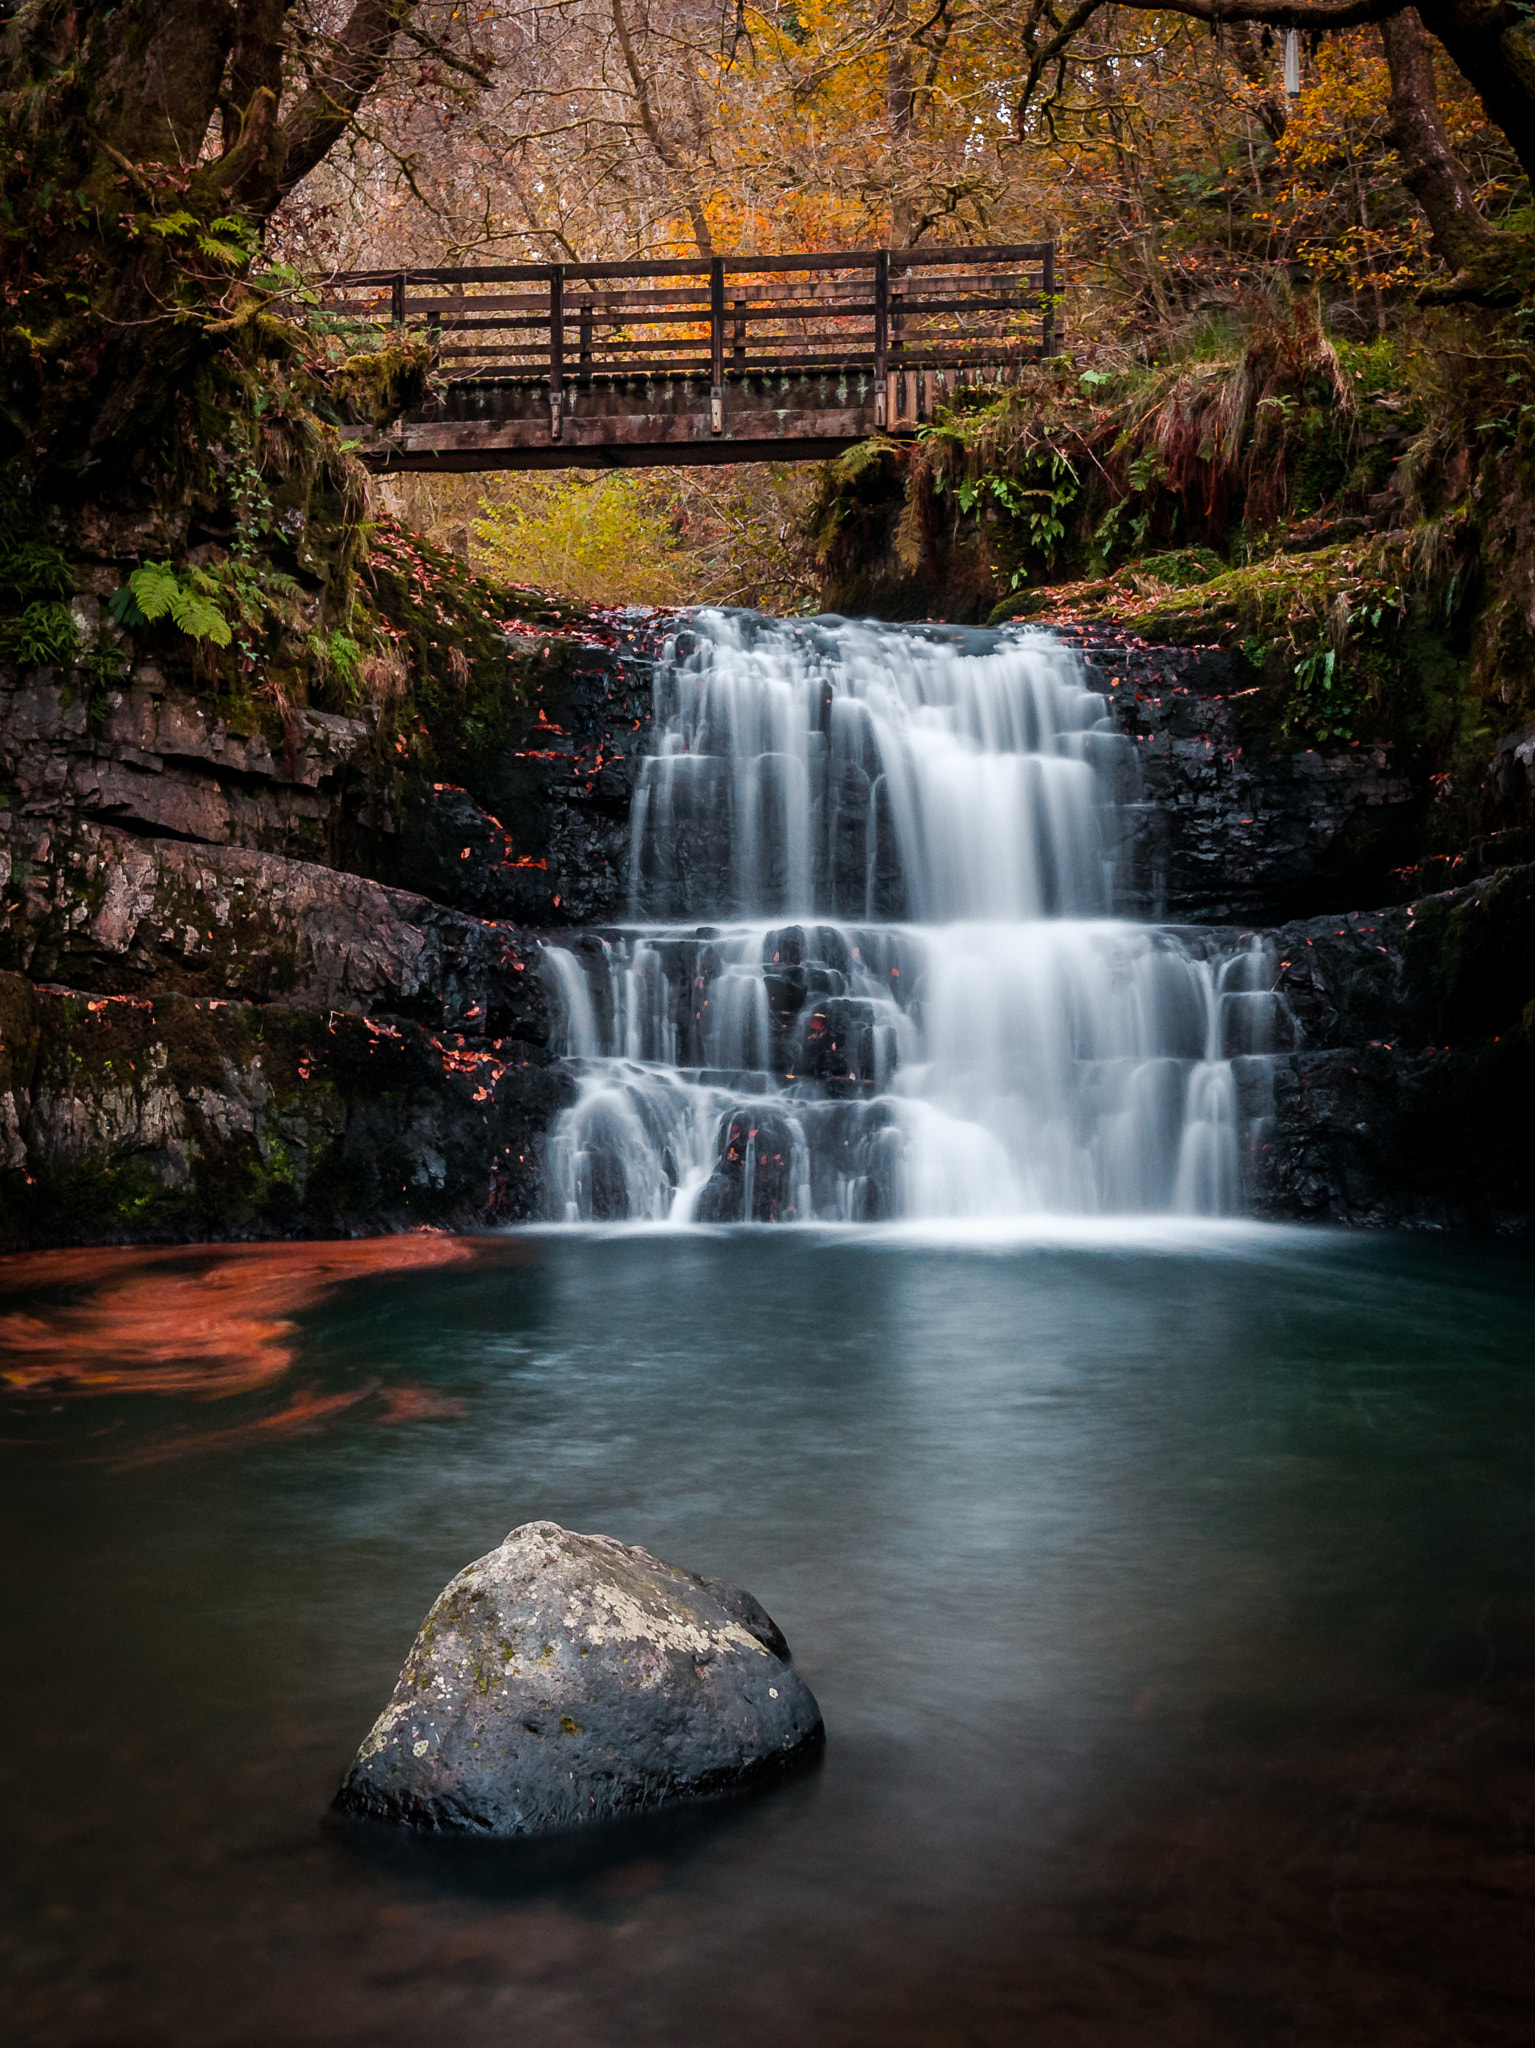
(258, 988)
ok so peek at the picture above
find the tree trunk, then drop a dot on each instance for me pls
(1489, 40)
(143, 146)
(1474, 250)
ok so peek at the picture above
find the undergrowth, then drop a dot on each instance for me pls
(1357, 516)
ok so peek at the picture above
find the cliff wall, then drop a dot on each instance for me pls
(258, 983)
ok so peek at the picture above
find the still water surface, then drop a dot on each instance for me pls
(1171, 1604)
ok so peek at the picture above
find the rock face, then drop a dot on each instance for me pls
(1216, 830)
(106, 910)
(146, 1118)
(259, 981)
(266, 982)
(566, 1679)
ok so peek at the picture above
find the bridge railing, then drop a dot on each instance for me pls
(876, 311)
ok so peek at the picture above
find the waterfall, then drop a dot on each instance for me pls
(910, 998)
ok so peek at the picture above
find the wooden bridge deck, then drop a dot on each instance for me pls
(745, 358)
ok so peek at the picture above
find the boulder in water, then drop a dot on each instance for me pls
(565, 1679)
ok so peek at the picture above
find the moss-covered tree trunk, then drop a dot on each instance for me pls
(143, 147)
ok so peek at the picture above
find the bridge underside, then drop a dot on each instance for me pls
(617, 422)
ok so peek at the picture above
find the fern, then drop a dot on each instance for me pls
(31, 568)
(200, 618)
(45, 636)
(154, 586)
(157, 592)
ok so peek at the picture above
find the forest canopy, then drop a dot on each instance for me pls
(154, 155)
(177, 177)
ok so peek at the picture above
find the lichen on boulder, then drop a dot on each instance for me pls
(565, 1679)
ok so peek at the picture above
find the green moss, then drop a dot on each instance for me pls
(379, 385)
(1474, 960)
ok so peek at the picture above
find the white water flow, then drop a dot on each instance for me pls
(909, 999)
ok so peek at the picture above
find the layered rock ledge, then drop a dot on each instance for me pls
(266, 982)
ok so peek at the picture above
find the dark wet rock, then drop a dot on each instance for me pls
(837, 1045)
(1390, 1136)
(888, 897)
(564, 1680)
(261, 1000)
(545, 817)
(103, 909)
(753, 1179)
(1486, 854)
(1456, 965)
(785, 947)
(1219, 826)
(856, 1156)
(135, 1118)
(1409, 1099)
(682, 833)
(167, 764)
(847, 838)
(831, 949)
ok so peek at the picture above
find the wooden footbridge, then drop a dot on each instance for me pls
(740, 359)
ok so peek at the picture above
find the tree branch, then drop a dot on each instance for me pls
(352, 69)
(1319, 15)
(656, 135)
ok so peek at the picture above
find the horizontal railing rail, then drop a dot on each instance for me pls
(895, 320)
(881, 310)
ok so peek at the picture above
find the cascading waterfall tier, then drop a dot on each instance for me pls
(913, 1001)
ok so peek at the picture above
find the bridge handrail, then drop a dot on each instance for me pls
(879, 315)
(699, 266)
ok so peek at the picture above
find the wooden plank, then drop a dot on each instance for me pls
(556, 349)
(829, 259)
(616, 455)
(842, 298)
(657, 430)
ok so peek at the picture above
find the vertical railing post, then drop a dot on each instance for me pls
(881, 336)
(397, 300)
(738, 333)
(717, 345)
(897, 378)
(556, 350)
(1047, 286)
(586, 339)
